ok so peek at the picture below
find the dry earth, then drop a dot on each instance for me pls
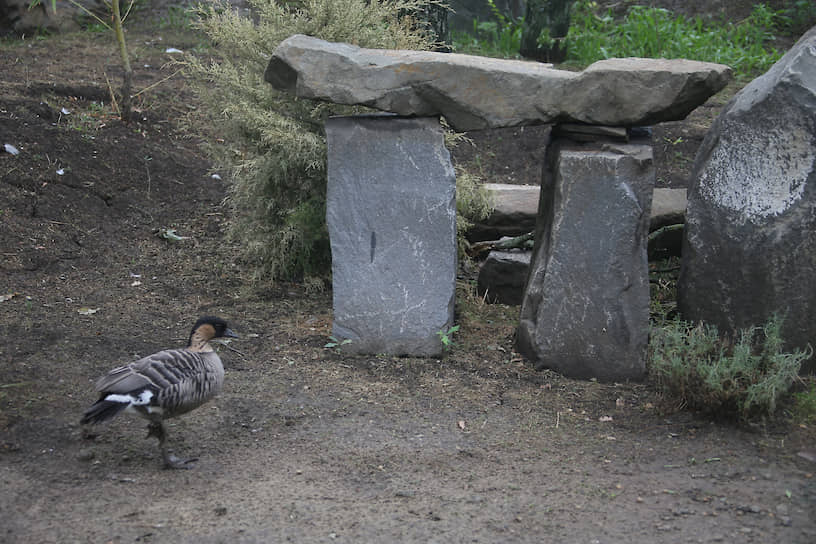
(306, 444)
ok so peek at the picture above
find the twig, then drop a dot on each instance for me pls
(159, 82)
(112, 95)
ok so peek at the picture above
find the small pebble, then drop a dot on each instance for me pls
(85, 455)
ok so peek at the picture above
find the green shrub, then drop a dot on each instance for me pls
(656, 32)
(741, 377)
(272, 143)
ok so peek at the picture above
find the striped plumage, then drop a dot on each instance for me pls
(164, 385)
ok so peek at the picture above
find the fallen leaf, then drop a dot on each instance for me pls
(170, 234)
(136, 283)
(9, 296)
(462, 424)
(11, 149)
(87, 311)
(605, 418)
(619, 403)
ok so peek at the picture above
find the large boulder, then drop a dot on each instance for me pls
(391, 213)
(585, 311)
(477, 92)
(750, 238)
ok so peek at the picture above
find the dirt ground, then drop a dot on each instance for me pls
(306, 444)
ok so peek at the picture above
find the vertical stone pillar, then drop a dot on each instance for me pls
(585, 311)
(391, 214)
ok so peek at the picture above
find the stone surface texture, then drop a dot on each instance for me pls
(750, 239)
(391, 214)
(514, 212)
(515, 208)
(477, 92)
(503, 275)
(586, 306)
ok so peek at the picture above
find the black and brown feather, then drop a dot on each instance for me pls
(166, 384)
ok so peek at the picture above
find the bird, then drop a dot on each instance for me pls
(164, 385)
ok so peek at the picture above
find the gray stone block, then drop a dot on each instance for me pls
(750, 239)
(391, 214)
(503, 275)
(474, 93)
(586, 306)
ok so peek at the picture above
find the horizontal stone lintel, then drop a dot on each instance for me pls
(475, 93)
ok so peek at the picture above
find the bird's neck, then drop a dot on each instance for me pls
(199, 342)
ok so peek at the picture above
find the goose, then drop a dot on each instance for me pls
(164, 385)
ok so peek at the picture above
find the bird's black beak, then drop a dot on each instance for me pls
(230, 334)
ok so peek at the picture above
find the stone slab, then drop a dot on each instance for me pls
(474, 92)
(391, 214)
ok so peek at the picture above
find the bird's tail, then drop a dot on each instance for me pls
(103, 410)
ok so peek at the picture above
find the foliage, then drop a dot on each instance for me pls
(498, 38)
(656, 32)
(472, 204)
(804, 405)
(273, 143)
(597, 34)
(740, 377)
(336, 343)
(446, 335)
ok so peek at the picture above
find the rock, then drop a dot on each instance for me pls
(515, 208)
(514, 212)
(750, 243)
(477, 92)
(391, 214)
(586, 307)
(85, 454)
(668, 208)
(503, 275)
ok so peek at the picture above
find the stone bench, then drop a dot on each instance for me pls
(588, 289)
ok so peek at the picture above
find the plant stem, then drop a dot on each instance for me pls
(127, 83)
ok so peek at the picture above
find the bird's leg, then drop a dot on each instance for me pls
(156, 428)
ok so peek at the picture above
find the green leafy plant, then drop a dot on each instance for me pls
(656, 32)
(742, 376)
(445, 336)
(500, 37)
(336, 343)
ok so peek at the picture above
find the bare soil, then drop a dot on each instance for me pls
(306, 444)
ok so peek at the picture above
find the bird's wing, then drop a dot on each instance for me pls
(161, 370)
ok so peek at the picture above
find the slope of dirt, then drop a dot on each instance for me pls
(305, 444)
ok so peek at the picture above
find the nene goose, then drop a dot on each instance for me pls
(165, 384)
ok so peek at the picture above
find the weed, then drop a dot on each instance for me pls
(804, 405)
(656, 32)
(445, 336)
(596, 34)
(739, 377)
(177, 17)
(335, 343)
